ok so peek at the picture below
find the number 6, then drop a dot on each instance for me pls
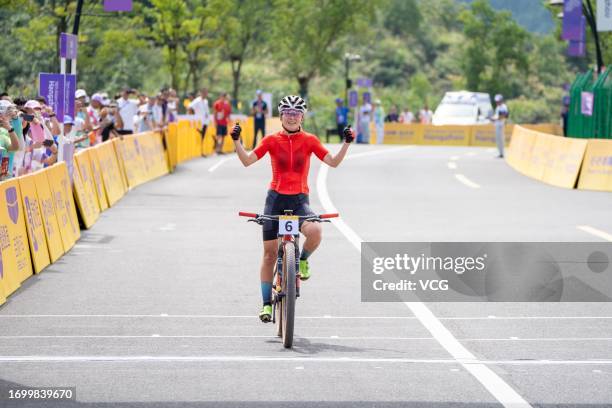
(288, 226)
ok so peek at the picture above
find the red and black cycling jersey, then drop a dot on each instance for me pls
(290, 157)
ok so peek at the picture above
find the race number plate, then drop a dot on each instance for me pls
(288, 225)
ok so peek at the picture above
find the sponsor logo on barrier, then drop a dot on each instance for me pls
(30, 223)
(442, 135)
(13, 205)
(5, 242)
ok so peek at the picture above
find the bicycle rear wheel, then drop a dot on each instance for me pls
(278, 309)
(288, 301)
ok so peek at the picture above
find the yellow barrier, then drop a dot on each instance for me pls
(85, 193)
(596, 171)
(34, 224)
(110, 171)
(552, 159)
(97, 179)
(117, 147)
(49, 216)
(65, 208)
(16, 265)
(399, 133)
(484, 135)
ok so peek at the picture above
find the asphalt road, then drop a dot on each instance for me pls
(156, 306)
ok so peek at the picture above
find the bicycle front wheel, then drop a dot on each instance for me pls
(288, 302)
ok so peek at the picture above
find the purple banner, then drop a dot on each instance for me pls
(364, 82)
(353, 99)
(117, 5)
(51, 87)
(572, 20)
(69, 90)
(68, 46)
(586, 105)
(577, 48)
(367, 97)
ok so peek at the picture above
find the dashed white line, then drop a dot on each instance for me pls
(452, 165)
(466, 181)
(594, 231)
(219, 163)
(503, 392)
(454, 158)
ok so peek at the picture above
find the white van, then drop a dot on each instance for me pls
(463, 108)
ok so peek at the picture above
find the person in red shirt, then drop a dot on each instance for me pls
(223, 109)
(290, 151)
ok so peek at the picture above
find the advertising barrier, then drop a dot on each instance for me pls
(16, 265)
(34, 223)
(596, 171)
(65, 208)
(49, 216)
(552, 159)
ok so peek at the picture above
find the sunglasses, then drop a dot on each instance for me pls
(292, 113)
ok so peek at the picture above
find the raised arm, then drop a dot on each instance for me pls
(335, 160)
(247, 158)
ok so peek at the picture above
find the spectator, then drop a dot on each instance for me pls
(499, 117)
(127, 108)
(145, 121)
(341, 117)
(173, 102)
(222, 114)
(393, 116)
(158, 111)
(425, 115)
(9, 142)
(365, 117)
(379, 121)
(407, 116)
(201, 110)
(259, 112)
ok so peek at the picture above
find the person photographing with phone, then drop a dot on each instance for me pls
(290, 151)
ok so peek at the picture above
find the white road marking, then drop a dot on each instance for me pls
(214, 336)
(594, 231)
(168, 227)
(466, 181)
(376, 152)
(249, 358)
(454, 158)
(452, 165)
(218, 164)
(200, 316)
(470, 154)
(503, 392)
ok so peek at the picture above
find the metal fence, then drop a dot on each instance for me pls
(594, 121)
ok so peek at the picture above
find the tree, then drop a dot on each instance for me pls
(245, 29)
(308, 34)
(496, 47)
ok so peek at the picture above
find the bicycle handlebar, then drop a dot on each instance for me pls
(267, 217)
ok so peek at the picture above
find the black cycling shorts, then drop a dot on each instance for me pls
(221, 130)
(276, 203)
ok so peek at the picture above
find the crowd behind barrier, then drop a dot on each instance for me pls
(562, 161)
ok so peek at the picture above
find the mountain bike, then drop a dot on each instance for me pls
(286, 276)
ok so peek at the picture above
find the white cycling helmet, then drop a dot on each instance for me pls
(292, 102)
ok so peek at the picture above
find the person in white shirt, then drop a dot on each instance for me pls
(201, 110)
(499, 117)
(407, 116)
(365, 117)
(426, 115)
(128, 108)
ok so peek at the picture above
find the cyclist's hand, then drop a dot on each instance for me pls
(349, 134)
(236, 131)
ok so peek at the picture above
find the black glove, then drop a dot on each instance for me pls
(236, 131)
(349, 134)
